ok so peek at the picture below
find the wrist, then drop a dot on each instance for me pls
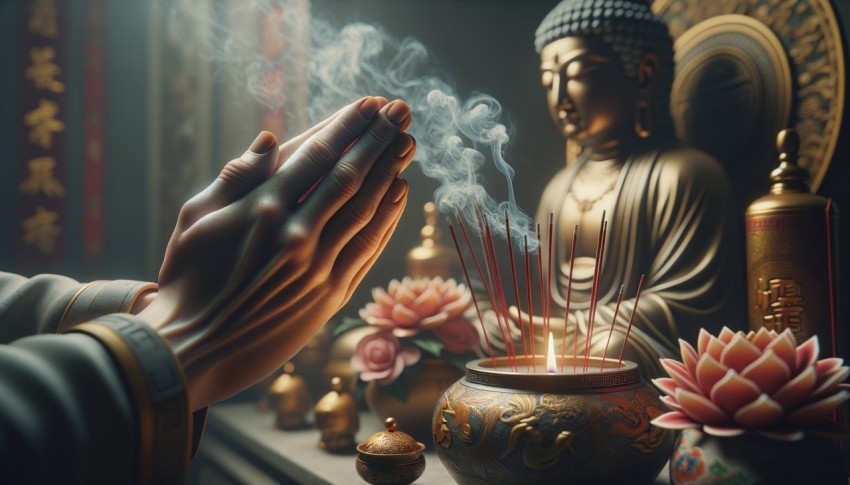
(142, 301)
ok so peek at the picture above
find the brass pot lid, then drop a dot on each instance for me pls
(783, 62)
(390, 442)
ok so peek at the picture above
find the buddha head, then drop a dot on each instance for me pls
(607, 67)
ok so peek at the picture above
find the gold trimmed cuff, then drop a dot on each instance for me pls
(157, 385)
(100, 298)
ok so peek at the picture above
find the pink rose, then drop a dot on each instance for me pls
(381, 357)
(458, 335)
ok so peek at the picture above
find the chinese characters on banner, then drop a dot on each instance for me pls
(40, 234)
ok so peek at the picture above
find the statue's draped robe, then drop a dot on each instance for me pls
(66, 413)
(674, 222)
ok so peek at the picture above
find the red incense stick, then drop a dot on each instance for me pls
(503, 306)
(497, 298)
(516, 287)
(567, 310)
(487, 289)
(594, 291)
(631, 317)
(474, 299)
(549, 279)
(530, 304)
(829, 275)
(543, 306)
(613, 324)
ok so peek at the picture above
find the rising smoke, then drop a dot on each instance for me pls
(454, 139)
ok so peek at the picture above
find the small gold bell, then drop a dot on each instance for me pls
(337, 419)
(290, 399)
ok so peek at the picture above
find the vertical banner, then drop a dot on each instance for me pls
(94, 131)
(273, 30)
(285, 44)
(41, 195)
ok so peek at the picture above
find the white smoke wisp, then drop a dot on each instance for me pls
(360, 59)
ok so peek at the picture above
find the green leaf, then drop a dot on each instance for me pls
(347, 324)
(413, 371)
(459, 360)
(360, 389)
(430, 346)
(399, 388)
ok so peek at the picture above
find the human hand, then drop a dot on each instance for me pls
(264, 256)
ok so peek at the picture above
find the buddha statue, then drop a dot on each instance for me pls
(607, 69)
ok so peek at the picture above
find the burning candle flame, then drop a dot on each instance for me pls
(550, 356)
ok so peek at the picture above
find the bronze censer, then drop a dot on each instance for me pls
(507, 425)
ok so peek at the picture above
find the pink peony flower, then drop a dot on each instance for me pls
(409, 305)
(381, 357)
(761, 381)
(458, 335)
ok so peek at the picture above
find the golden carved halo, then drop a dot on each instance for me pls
(766, 49)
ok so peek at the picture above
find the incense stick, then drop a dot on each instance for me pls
(631, 317)
(501, 294)
(516, 287)
(613, 324)
(474, 299)
(594, 291)
(549, 279)
(829, 275)
(543, 306)
(487, 289)
(530, 303)
(567, 309)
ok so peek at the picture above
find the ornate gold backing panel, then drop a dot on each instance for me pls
(810, 39)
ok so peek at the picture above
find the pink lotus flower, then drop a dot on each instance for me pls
(409, 305)
(761, 381)
(381, 357)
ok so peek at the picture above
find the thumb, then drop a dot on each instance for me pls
(240, 175)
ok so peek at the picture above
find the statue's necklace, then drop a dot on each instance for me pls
(584, 204)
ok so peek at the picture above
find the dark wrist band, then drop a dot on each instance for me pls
(157, 385)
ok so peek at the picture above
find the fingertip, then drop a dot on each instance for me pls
(403, 144)
(397, 112)
(263, 143)
(369, 106)
(398, 190)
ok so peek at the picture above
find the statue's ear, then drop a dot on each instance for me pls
(647, 72)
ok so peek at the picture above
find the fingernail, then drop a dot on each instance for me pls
(402, 145)
(263, 143)
(398, 190)
(369, 106)
(397, 112)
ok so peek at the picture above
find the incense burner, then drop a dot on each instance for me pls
(497, 425)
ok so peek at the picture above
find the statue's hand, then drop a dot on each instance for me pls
(264, 256)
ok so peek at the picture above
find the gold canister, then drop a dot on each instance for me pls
(791, 240)
(431, 258)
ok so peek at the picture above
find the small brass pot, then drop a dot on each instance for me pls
(390, 457)
(495, 425)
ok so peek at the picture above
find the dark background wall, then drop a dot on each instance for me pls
(482, 45)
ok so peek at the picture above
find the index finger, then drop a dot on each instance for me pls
(318, 154)
(289, 147)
